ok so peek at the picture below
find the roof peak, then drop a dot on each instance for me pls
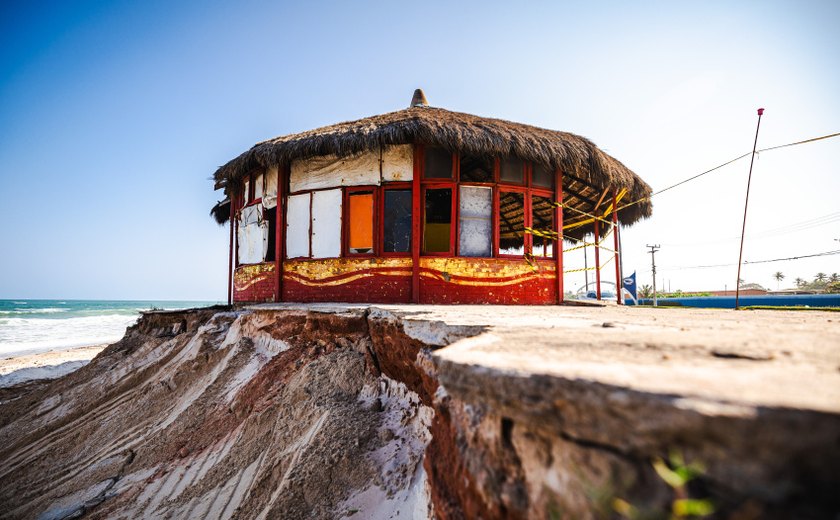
(418, 99)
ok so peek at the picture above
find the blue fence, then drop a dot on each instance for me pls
(728, 302)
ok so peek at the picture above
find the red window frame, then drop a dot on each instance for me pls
(494, 212)
(249, 199)
(453, 219)
(381, 227)
(511, 188)
(526, 178)
(547, 194)
(438, 183)
(345, 221)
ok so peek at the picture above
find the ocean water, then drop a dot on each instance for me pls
(31, 326)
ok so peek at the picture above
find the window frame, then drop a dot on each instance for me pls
(546, 194)
(249, 199)
(376, 231)
(453, 216)
(380, 203)
(526, 203)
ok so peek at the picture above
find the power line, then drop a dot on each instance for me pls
(663, 190)
(681, 268)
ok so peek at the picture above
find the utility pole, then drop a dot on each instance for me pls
(653, 250)
(746, 202)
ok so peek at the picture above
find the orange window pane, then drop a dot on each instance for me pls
(361, 222)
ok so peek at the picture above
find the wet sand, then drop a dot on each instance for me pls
(45, 365)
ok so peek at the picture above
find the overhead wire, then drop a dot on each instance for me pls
(643, 199)
(799, 257)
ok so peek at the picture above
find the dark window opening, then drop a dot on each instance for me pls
(438, 163)
(511, 169)
(476, 168)
(542, 218)
(270, 216)
(397, 221)
(437, 228)
(542, 176)
(511, 223)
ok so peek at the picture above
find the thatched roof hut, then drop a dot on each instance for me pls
(588, 170)
(420, 205)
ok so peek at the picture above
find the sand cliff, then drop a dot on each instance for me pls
(376, 412)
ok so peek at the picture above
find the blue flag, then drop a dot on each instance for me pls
(629, 284)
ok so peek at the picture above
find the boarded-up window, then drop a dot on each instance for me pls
(326, 224)
(542, 176)
(511, 223)
(397, 221)
(476, 168)
(511, 169)
(438, 163)
(360, 225)
(251, 235)
(542, 218)
(437, 225)
(297, 225)
(475, 235)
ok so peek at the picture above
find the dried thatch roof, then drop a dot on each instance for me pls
(590, 169)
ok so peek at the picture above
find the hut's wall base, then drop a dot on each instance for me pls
(388, 280)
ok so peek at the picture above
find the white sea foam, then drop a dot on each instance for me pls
(46, 310)
(20, 335)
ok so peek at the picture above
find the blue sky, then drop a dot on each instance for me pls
(113, 116)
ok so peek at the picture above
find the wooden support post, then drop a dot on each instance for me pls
(597, 260)
(558, 246)
(280, 230)
(416, 228)
(230, 253)
(618, 281)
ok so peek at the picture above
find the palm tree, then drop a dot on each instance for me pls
(834, 278)
(779, 277)
(799, 282)
(820, 277)
(645, 291)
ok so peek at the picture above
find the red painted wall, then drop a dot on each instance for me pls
(388, 280)
(255, 283)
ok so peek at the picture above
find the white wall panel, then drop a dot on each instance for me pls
(398, 163)
(297, 226)
(326, 224)
(270, 195)
(329, 171)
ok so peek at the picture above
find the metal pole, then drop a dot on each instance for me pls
(618, 283)
(597, 262)
(746, 202)
(653, 250)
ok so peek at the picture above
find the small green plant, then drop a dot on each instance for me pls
(677, 475)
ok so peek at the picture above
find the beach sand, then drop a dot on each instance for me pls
(45, 365)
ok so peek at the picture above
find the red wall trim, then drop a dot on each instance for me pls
(280, 230)
(230, 252)
(558, 246)
(415, 223)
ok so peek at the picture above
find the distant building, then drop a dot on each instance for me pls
(421, 205)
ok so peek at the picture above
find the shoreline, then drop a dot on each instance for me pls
(49, 364)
